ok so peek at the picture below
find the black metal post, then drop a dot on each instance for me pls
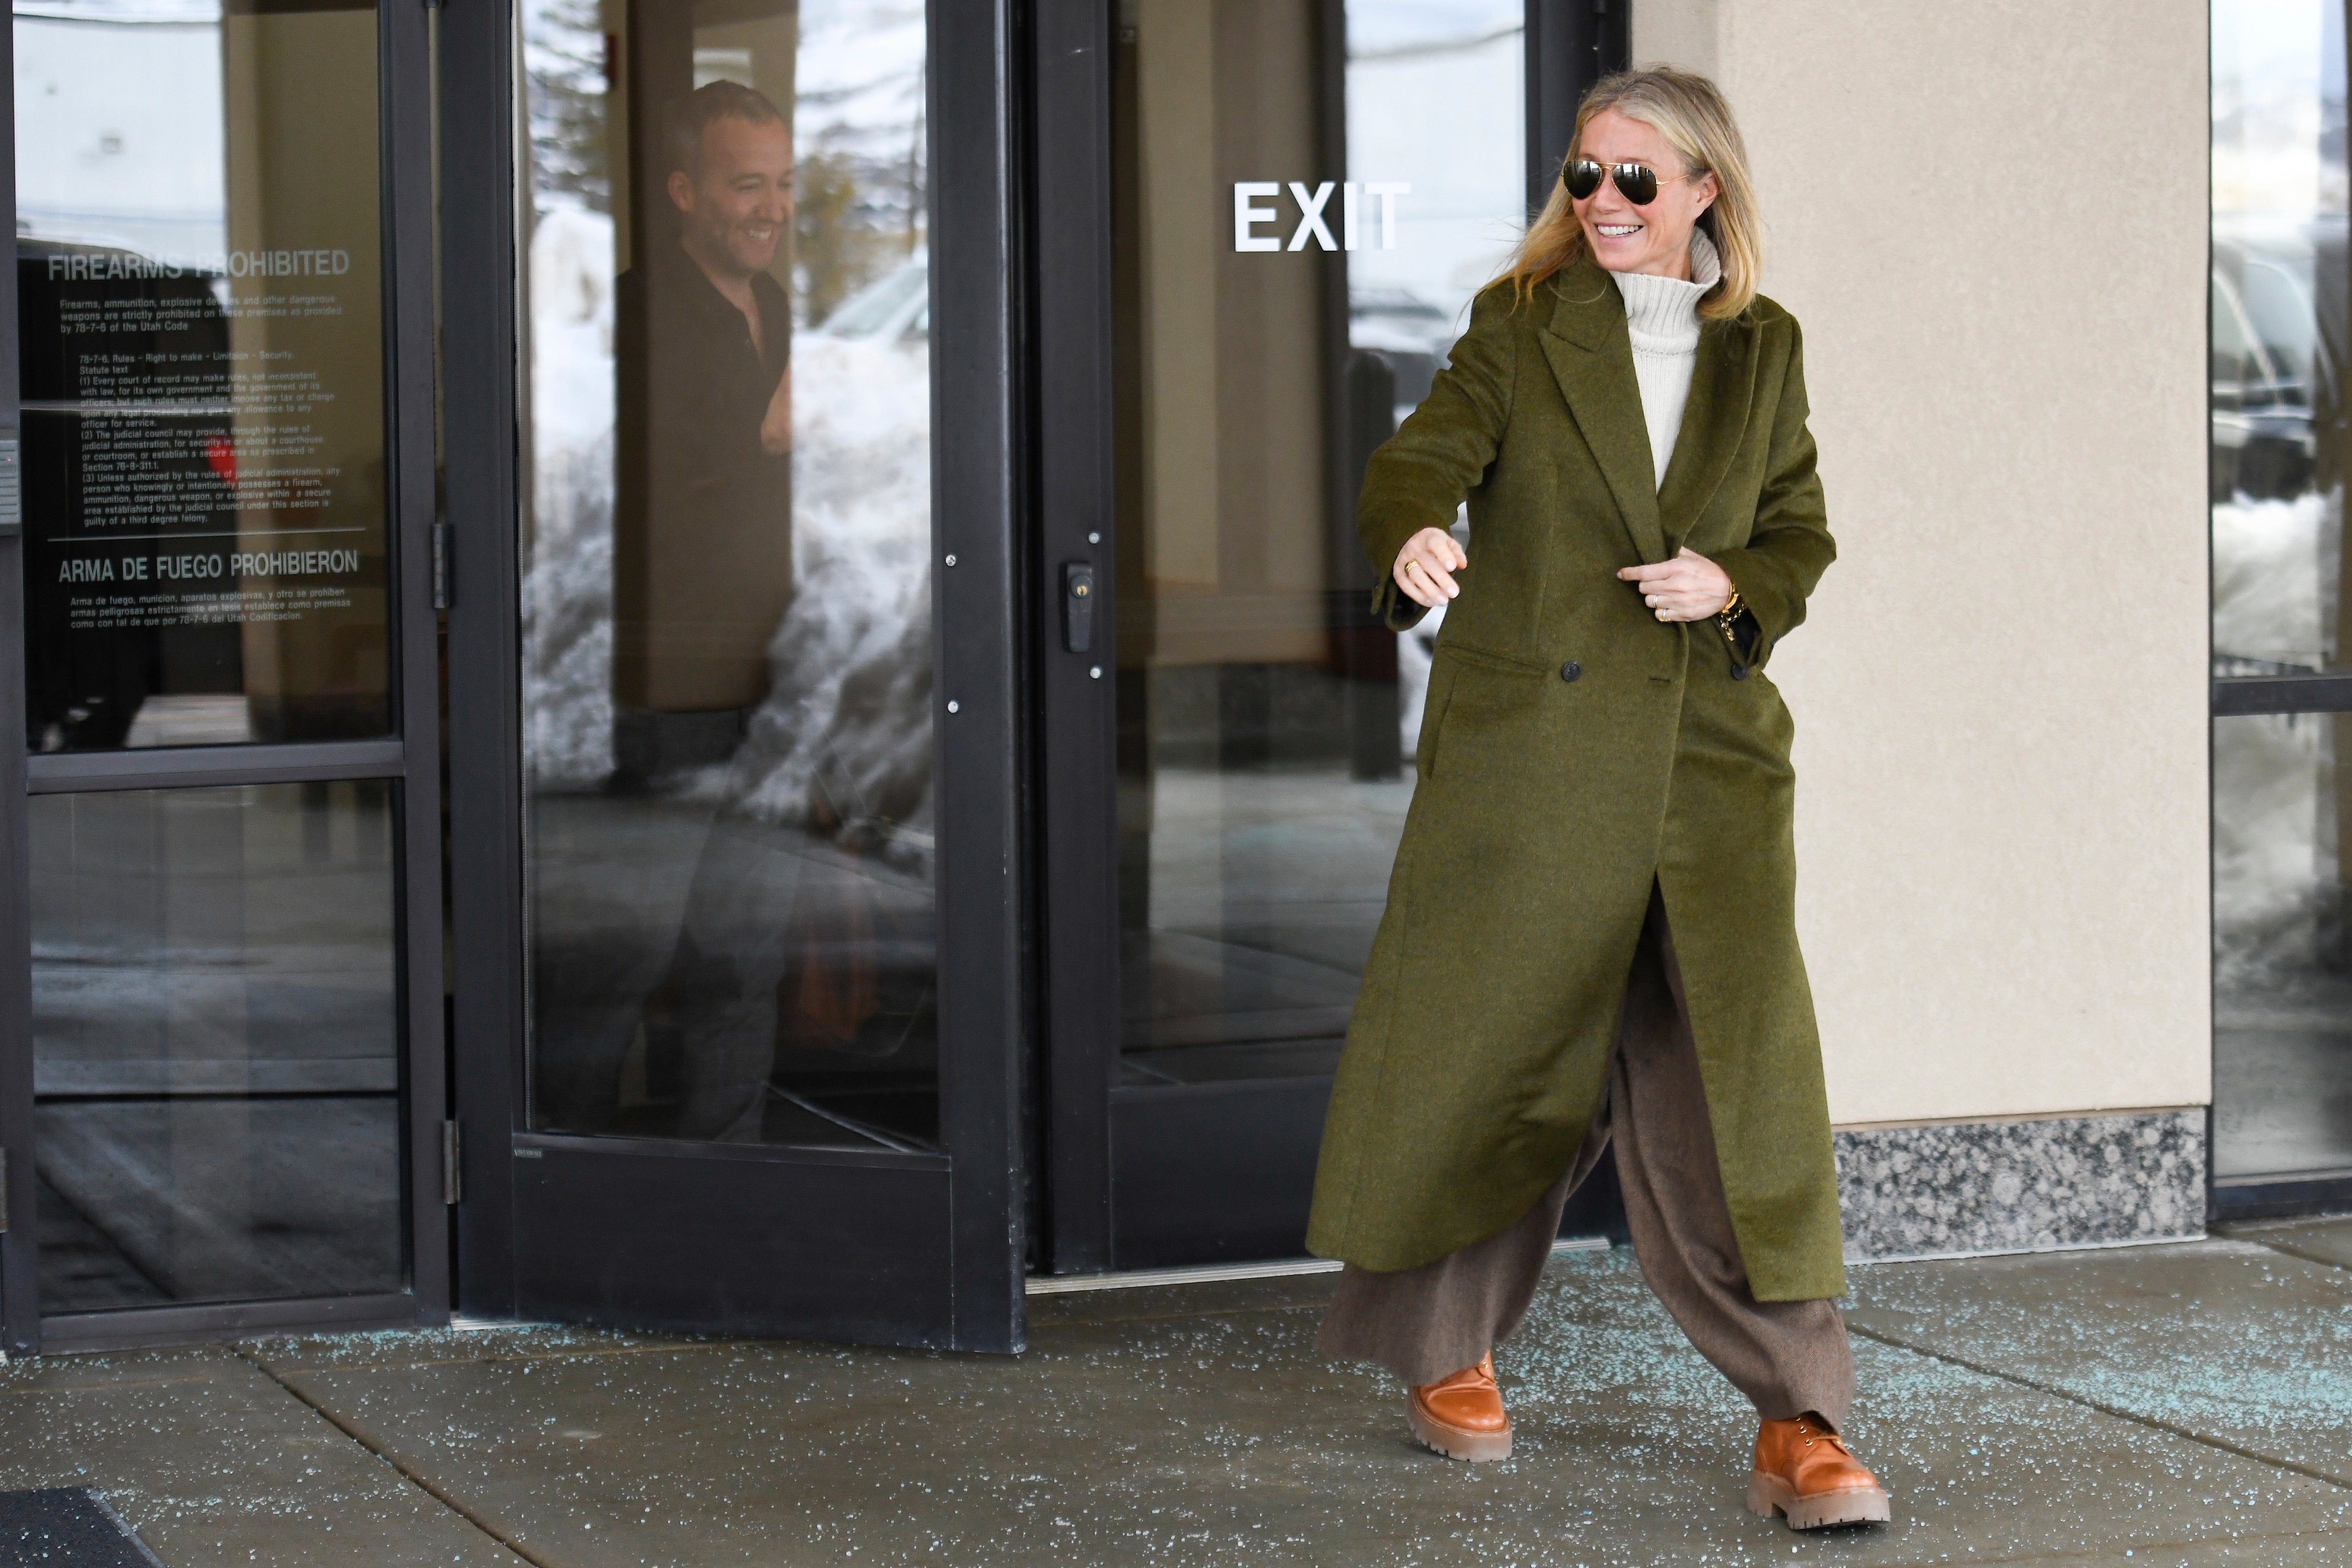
(1571, 44)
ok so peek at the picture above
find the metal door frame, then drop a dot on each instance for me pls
(918, 1247)
(412, 758)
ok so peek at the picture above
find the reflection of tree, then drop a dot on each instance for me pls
(564, 52)
(837, 250)
(860, 213)
(863, 186)
(859, 217)
(915, 180)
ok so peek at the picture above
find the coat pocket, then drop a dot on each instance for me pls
(1470, 688)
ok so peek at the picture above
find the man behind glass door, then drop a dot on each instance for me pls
(704, 563)
(702, 576)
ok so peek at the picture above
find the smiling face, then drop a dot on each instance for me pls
(736, 206)
(1627, 238)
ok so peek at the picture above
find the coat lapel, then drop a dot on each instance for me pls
(1592, 359)
(1715, 419)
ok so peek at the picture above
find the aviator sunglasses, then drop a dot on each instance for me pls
(1637, 182)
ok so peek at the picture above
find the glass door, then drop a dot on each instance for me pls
(224, 1083)
(1301, 199)
(753, 563)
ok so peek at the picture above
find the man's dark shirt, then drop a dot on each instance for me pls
(692, 392)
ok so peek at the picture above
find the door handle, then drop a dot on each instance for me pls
(1078, 606)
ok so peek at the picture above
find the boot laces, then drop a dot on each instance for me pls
(1808, 1431)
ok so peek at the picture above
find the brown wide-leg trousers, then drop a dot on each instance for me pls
(1787, 1357)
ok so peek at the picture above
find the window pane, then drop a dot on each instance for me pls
(199, 299)
(726, 594)
(2281, 968)
(216, 1045)
(2282, 954)
(2279, 306)
(1266, 722)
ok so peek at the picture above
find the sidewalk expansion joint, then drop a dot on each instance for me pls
(462, 1510)
(2119, 1412)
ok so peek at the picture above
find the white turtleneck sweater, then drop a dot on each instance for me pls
(1662, 315)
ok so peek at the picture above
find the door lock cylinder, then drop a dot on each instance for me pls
(1078, 606)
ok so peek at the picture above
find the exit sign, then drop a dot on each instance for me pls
(1248, 216)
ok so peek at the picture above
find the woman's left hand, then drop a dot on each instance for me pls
(1690, 587)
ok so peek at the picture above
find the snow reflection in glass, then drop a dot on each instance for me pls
(726, 592)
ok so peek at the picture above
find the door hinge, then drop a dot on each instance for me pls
(453, 1173)
(441, 548)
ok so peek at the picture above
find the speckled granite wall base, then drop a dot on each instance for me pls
(1939, 1190)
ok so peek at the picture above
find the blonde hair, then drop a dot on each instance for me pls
(1689, 111)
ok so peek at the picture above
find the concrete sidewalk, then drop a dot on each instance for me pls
(2182, 1405)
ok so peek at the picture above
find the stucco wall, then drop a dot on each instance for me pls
(1991, 221)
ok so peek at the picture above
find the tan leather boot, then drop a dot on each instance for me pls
(1805, 1472)
(1461, 1416)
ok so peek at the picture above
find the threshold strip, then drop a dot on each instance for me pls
(1217, 1273)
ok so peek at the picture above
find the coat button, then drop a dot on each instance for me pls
(1570, 670)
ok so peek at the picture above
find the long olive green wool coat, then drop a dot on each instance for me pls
(1575, 750)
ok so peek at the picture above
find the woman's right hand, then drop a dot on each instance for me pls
(1425, 567)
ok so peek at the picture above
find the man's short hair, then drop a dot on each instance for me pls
(705, 106)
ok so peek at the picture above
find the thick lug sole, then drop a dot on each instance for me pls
(1477, 1448)
(1768, 1494)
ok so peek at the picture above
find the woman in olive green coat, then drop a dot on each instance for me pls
(1590, 930)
